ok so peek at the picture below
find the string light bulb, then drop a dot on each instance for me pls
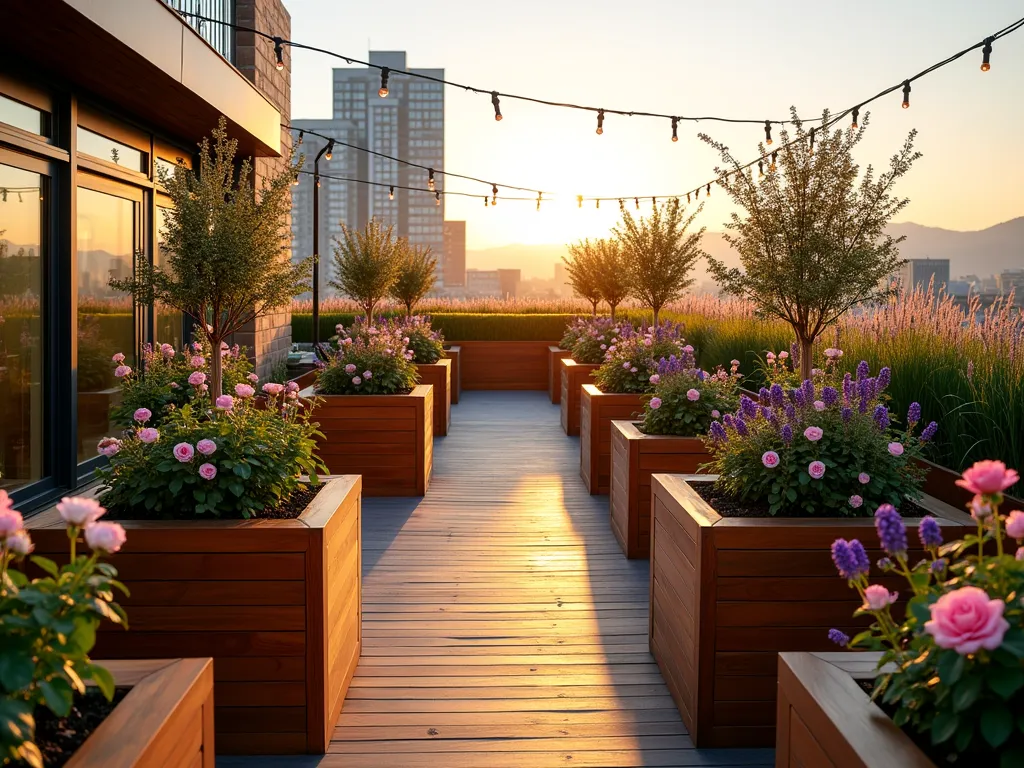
(687, 197)
(430, 179)
(302, 135)
(391, 193)
(707, 191)
(986, 52)
(485, 201)
(385, 73)
(812, 139)
(579, 201)
(437, 197)
(856, 114)
(598, 206)
(675, 129)
(760, 168)
(906, 94)
(775, 157)
(636, 200)
(279, 53)
(768, 132)
(497, 106)
(539, 194)
(295, 181)
(600, 122)
(494, 194)
(330, 149)
(318, 181)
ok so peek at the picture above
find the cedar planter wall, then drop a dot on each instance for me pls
(635, 456)
(826, 720)
(597, 411)
(388, 439)
(276, 603)
(438, 375)
(520, 365)
(572, 377)
(555, 353)
(453, 354)
(166, 718)
(728, 594)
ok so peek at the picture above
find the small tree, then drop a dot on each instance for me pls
(367, 263)
(583, 267)
(659, 254)
(416, 275)
(612, 272)
(812, 243)
(227, 258)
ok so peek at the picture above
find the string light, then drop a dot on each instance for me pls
(985, 53)
(708, 190)
(497, 106)
(856, 114)
(430, 179)
(696, 194)
(675, 129)
(538, 199)
(330, 150)
(391, 193)
(437, 197)
(637, 201)
(775, 157)
(812, 139)
(494, 194)
(760, 168)
(279, 52)
(295, 181)
(906, 94)
(318, 181)
(385, 73)
(654, 203)
(298, 143)
(598, 206)
(768, 132)
(579, 201)
(600, 122)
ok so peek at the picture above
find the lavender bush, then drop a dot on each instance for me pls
(593, 340)
(632, 357)
(686, 398)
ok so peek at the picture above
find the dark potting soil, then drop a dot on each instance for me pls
(59, 737)
(287, 510)
(730, 506)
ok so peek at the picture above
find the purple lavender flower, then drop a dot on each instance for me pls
(741, 427)
(929, 432)
(884, 564)
(929, 532)
(838, 637)
(787, 434)
(798, 398)
(790, 412)
(847, 388)
(791, 394)
(862, 406)
(718, 432)
(914, 414)
(829, 396)
(764, 396)
(863, 371)
(748, 409)
(883, 379)
(881, 417)
(860, 556)
(765, 413)
(891, 531)
(777, 395)
(847, 414)
(807, 389)
(727, 419)
(847, 563)
(864, 389)
(794, 354)
(938, 566)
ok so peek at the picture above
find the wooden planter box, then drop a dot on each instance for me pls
(513, 365)
(276, 603)
(454, 354)
(555, 353)
(826, 719)
(166, 719)
(728, 594)
(597, 411)
(388, 439)
(572, 376)
(635, 457)
(439, 376)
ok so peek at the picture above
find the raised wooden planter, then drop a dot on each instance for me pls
(495, 365)
(826, 720)
(439, 376)
(597, 411)
(276, 603)
(165, 719)
(572, 376)
(388, 439)
(555, 353)
(728, 594)
(635, 457)
(454, 354)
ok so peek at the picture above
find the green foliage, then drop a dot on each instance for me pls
(456, 327)
(427, 345)
(633, 358)
(416, 276)
(812, 243)
(672, 411)
(573, 331)
(583, 270)
(368, 263)
(613, 273)
(371, 360)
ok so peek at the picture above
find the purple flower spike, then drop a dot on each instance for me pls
(891, 531)
(718, 432)
(764, 396)
(929, 532)
(914, 414)
(860, 555)
(929, 432)
(883, 379)
(787, 434)
(829, 396)
(798, 398)
(838, 637)
(727, 419)
(862, 406)
(846, 561)
(748, 409)
(847, 414)
(777, 395)
(938, 566)
(790, 412)
(863, 371)
(881, 417)
(794, 354)
(807, 388)
(741, 427)
(847, 389)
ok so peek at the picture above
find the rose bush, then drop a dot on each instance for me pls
(632, 357)
(370, 360)
(686, 398)
(593, 340)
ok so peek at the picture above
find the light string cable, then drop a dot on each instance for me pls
(409, 188)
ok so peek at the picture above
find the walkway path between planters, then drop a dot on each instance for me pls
(502, 625)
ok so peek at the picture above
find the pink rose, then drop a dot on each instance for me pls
(108, 446)
(625, 365)
(350, 368)
(198, 361)
(813, 434)
(655, 379)
(273, 389)
(225, 402)
(20, 544)
(149, 435)
(206, 446)
(184, 452)
(196, 378)
(356, 380)
(896, 449)
(79, 510)
(783, 355)
(1020, 554)
(816, 469)
(1015, 525)
(647, 342)
(104, 537)
(655, 403)
(143, 415)
(980, 509)
(864, 478)
(988, 477)
(715, 414)
(967, 620)
(856, 501)
(292, 387)
(877, 597)
(692, 395)
(367, 374)
(207, 471)
(688, 348)
(167, 350)
(118, 358)
(10, 522)
(770, 357)
(819, 405)
(121, 371)
(253, 378)
(244, 391)
(770, 459)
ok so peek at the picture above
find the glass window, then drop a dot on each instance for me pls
(167, 167)
(90, 143)
(106, 324)
(21, 348)
(23, 116)
(167, 322)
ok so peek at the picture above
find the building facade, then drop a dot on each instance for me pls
(919, 272)
(454, 254)
(499, 283)
(95, 97)
(408, 123)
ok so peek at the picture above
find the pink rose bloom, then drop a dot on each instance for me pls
(1020, 554)
(143, 415)
(20, 544)
(273, 389)
(118, 358)
(655, 403)
(292, 387)
(655, 379)
(967, 620)
(633, 369)
(79, 510)
(196, 378)
(184, 452)
(877, 597)
(253, 378)
(770, 357)
(109, 446)
(980, 509)
(198, 361)
(350, 368)
(813, 434)
(1015, 525)
(244, 391)
(167, 350)
(604, 346)
(715, 413)
(367, 374)
(207, 471)
(864, 478)
(206, 446)
(225, 402)
(896, 449)
(356, 380)
(988, 477)
(783, 355)
(6, 503)
(770, 459)
(149, 435)
(121, 371)
(688, 348)
(856, 501)
(647, 342)
(692, 395)
(104, 537)
(611, 348)
(816, 469)
(625, 365)
(10, 522)
(819, 405)
(175, 385)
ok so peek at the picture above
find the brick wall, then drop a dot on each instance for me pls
(268, 338)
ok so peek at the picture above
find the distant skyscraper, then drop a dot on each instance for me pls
(408, 123)
(454, 253)
(919, 272)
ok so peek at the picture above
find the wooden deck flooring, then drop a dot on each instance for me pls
(502, 626)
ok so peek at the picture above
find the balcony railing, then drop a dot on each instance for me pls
(221, 37)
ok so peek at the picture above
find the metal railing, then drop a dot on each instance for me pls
(220, 36)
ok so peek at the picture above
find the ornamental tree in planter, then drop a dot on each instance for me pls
(736, 578)
(614, 277)
(368, 263)
(416, 276)
(667, 438)
(583, 269)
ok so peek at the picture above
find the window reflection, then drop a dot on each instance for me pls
(101, 147)
(23, 116)
(167, 321)
(21, 283)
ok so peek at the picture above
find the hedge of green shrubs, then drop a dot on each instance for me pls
(455, 327)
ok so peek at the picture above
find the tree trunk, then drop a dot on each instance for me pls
(408, 309)
(613, 306)
(368, 309)
(216, 370)
(594, 309)
(806, 356)
(657, 311)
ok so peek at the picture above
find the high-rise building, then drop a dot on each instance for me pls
(408, 123)
(919, 272)
(454, 253)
